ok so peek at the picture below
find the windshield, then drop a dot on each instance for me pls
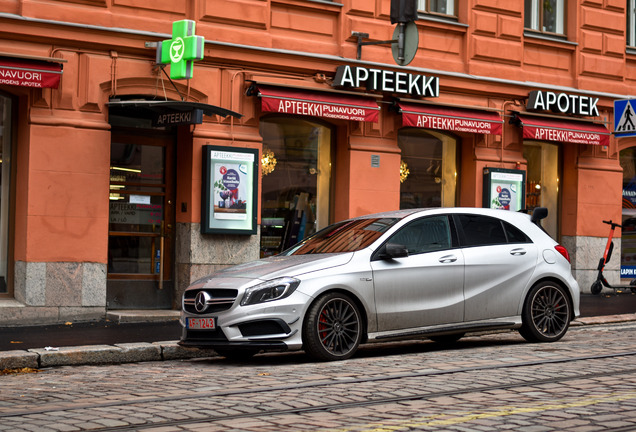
(347, 236)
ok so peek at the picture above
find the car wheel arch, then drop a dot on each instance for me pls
(359, 304)
(553, 280)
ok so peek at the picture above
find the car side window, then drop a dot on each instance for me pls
(424, 235)
(481, 230)
(514, 234)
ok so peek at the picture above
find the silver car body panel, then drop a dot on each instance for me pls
(455, 292)
(430, 290)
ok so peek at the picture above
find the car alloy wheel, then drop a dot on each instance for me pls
(332, 328)
(546, 313)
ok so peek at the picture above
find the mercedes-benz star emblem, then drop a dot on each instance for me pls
(201, 301)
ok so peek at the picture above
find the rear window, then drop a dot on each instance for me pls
(347, 236)
(485, 230)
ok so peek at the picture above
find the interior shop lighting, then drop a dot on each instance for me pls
(125, 169)
(268, 161)
(404, 171)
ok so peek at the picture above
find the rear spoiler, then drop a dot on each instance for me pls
(537, 214)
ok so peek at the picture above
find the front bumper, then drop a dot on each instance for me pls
(272, 326)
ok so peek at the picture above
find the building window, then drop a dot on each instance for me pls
(631, 23)
(429, 169)
(545, 16)
(296, 183)
(438, 7)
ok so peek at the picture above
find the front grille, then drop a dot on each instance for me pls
(217, 300)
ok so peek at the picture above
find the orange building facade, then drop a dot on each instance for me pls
(120, 186)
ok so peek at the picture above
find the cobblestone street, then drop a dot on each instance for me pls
(586, 382)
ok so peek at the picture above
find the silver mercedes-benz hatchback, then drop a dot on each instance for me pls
(426, 273)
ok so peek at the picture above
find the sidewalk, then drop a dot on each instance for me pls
(136, 336)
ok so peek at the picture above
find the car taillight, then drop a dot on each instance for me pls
(563, 251)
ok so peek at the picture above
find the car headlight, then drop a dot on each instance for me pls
(269, 291)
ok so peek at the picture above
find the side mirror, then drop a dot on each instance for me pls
(394, 250)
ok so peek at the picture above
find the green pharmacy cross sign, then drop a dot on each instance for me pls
(182, 50)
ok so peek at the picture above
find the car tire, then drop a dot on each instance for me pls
(447, 339)
(546, 313)
(332, 329)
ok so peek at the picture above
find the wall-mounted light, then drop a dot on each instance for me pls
(268, 161)
(404, 171)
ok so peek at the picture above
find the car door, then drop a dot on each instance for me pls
(426, 287)
(499, 261)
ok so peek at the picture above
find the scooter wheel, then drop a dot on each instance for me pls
(633, 290)
(597, 287)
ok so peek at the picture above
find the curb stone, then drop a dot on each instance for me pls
(18, 359)
(99, 354)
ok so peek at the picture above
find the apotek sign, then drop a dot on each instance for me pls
(539, 100)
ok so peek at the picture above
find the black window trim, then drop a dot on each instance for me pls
(462, 236)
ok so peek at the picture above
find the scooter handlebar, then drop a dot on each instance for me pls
(613, 224)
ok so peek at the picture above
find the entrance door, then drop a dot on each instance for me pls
(140, 240)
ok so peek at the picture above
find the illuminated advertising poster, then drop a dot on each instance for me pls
(504, 189)
(229, 192)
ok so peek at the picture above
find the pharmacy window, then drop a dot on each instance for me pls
(445, 8)
(545, 16)
(631, 23)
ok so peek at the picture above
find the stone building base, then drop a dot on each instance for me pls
(52, 293)
(585, 253)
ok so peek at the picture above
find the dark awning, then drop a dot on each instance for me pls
(331, 105)
(29, 73)
(455, 119)
(563, 130)
(179, 106)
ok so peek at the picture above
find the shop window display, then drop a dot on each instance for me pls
(296, 179)
(428, 169)
(5, 177)
(542, 181)
(628, 232)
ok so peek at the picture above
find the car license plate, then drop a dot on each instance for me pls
(201, 323)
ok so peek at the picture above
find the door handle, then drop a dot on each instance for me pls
(517, 252)
(448, 259)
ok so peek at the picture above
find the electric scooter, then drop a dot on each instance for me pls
(600, 281)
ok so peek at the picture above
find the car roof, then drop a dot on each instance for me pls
(401, 214)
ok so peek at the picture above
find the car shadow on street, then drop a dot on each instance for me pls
(376, 350)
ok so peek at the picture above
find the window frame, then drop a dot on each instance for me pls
(424, 6)
(630, 29)
(537, 19)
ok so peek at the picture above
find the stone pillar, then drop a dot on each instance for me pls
(198, 255)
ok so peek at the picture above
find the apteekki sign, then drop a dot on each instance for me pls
(386, 81)
(175, 118)
(539, 100)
